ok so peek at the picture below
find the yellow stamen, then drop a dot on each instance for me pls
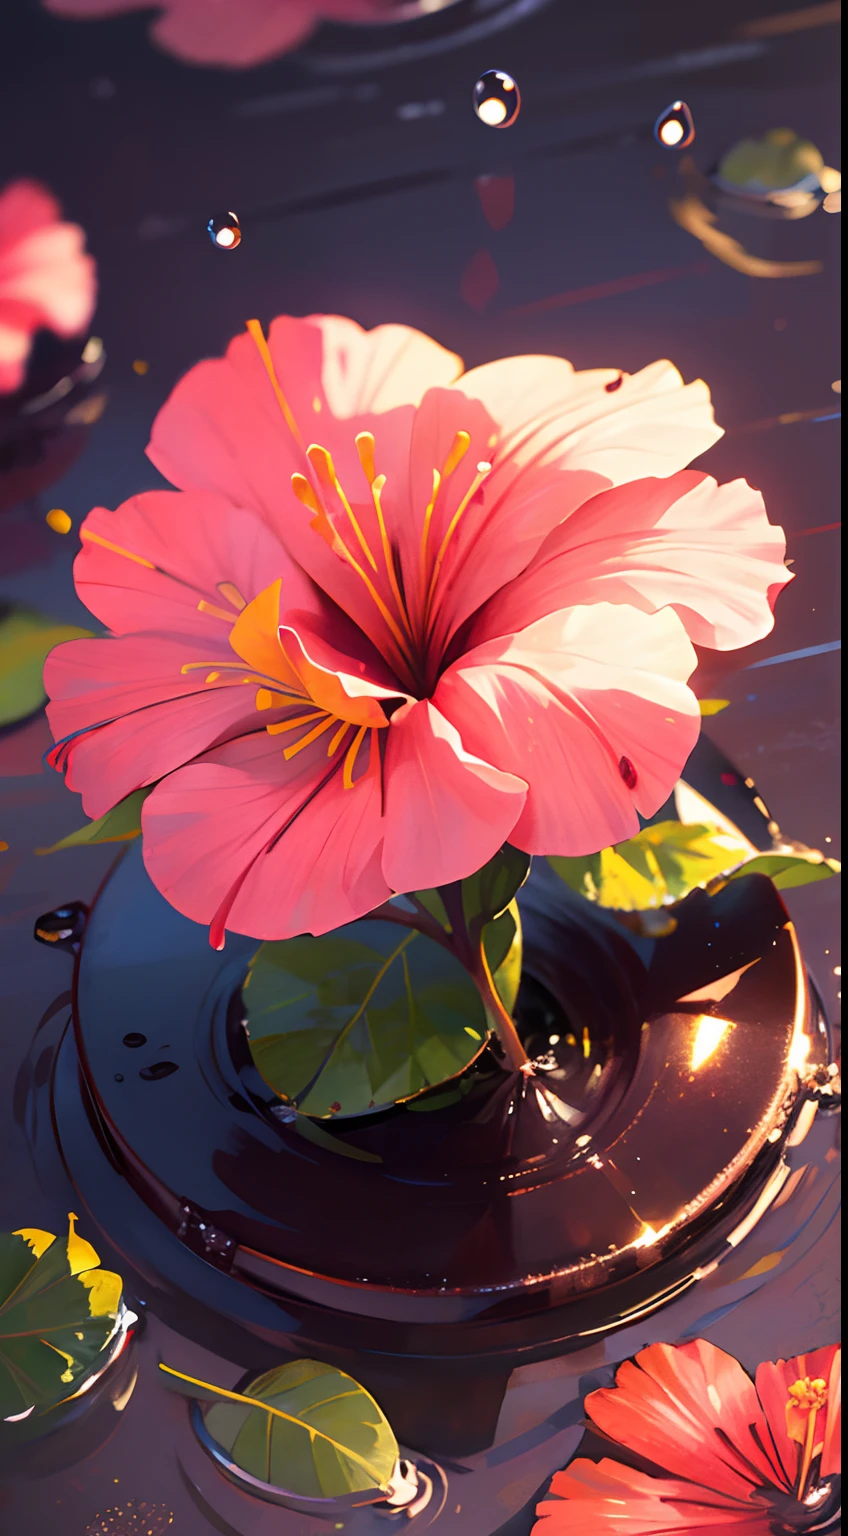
(807, 1396)
(94, 538)
(483, 470)
(213, 677)
(365, 449)
(376, 492)
(335, 741)
(232, 594)
(322, 463)
(268, 699)
(350, 757)
(255, 331)
(289, 725)
(458, 450)
(306, 741)
(216, 612)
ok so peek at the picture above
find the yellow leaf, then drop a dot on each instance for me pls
(712, 706)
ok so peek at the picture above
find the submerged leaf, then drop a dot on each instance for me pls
(305, 1428)
(119, 825)
(361, 1018)
(504, 949)
(58, 1310)
(26, 638)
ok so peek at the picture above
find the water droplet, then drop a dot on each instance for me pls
(133, 1040)
(119, 1077)
(158, 1070)
(141, 366)
(58, 520)
(628, 772)
(497, 99)
(225, 230)
(675, 127)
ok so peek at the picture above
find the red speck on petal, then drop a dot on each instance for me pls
(614, 384)
(729, 778)
(628, 772)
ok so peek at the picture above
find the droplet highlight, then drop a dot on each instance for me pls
(497, 99)
(224, 230)
(675, 127)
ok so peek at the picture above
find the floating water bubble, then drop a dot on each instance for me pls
(225, 230)
(675, 127)
(497, 99)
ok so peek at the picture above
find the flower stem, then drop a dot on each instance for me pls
(473, 956)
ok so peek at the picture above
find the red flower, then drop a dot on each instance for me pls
(758, 1457)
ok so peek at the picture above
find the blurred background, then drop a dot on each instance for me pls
(365, 185)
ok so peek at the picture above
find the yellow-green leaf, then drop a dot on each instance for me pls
(661, 864)
(26, 638)
(305, 1428)
(119, 825)
(791, 869)
(58, 1310)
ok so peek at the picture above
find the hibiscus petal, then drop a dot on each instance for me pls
(774, 1378)
(222, 428)
(562, 703)
(233, 34)
(150, 564)
(49, 272)
(706, 550)
(271, 848)
(447, 812)
(691, 1409)
(24, 207)
(564, 437)
(338, 667)
(155, 717)
(607, 1496)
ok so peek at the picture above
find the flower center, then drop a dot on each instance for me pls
(408, 617)
(807, 1394)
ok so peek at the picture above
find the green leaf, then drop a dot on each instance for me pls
(304, 1427)
(489, 892)
(25, 640)
(787, 870)
(361, 1018)
(503, 946)
(119, 825)
(58, 1310)
(661, 864)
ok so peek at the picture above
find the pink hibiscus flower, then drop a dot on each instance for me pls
(357, 666)
(757, 1458)
(232, 34)
(46, 279)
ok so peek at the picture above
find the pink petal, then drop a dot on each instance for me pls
(609, 1497)
(773, 1380)
(564, 437)
(15, 343)
(233, 34)
(691, 1409)
(266, 847)
(149, 718)
(447, 812)
(342, 674)
(563, 702)
(25, 206)
(706, 550)
(91, 10)
(197, 542)
(49, 274)
(223, 430)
